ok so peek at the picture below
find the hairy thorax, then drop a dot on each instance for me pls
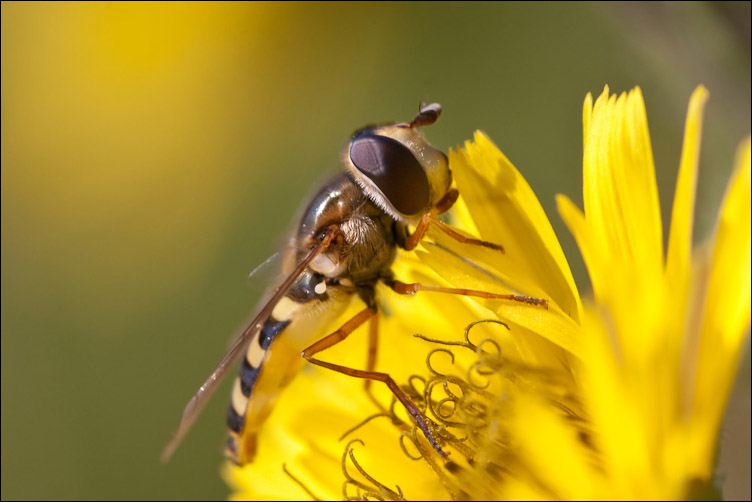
(364, 248)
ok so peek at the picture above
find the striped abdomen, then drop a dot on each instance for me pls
(273, 358)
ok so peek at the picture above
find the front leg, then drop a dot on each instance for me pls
(410, 242)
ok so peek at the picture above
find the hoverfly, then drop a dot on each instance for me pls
(343, 246)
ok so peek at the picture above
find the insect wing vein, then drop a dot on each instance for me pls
(199, 400)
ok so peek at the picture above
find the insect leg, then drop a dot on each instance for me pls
(442, 206)
(403, 288)
(430, 218)
(342, 333)
(461, 238)
(412, 241)
(373, 347)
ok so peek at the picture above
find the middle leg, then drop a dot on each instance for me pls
(410, 289)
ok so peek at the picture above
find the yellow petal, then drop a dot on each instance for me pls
(553, 324)
(619, 413)
(506, 212)
(575, 221)
(619, 191)
(545, 439)
(461, 217)
(679, 252)
(727, 309)
(587, 115)
(493, 261)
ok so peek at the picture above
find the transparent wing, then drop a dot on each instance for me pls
(199, 400)
(273, 270)
(259, 274)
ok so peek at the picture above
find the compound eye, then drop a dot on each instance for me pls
(393, 168)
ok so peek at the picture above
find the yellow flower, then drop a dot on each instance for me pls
(660, 346)
(620, 399)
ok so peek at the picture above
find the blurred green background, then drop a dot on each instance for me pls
(153, 154)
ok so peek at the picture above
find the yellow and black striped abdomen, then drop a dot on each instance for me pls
(250, 368)
(273, 358)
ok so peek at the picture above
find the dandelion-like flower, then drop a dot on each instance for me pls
(621, 398)
(660, 345)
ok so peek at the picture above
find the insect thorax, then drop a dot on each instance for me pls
(364, 248)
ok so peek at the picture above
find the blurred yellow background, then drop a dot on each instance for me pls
(154, 153)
